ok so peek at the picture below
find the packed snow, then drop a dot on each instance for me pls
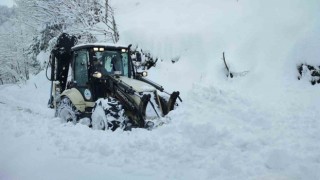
(263, 125)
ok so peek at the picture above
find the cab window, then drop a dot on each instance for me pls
(81, 68)
(112, 61)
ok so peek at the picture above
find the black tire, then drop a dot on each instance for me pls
(109, 114)
(67, 111)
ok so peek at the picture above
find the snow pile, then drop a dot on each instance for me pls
(269, 38)
(264, 125)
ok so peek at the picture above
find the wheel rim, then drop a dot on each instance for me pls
(66, 111)
(98, 118)
(98, 124)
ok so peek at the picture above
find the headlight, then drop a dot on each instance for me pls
(144, 73)
(97, 74)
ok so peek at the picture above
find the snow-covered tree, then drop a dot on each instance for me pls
(85, 18)
(16, 62)
(29, 27)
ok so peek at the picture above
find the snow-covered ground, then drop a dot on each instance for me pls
(264, 125)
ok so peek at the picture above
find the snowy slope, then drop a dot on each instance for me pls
(261, 126)
(265, 38)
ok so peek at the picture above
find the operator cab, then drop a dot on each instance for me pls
(92, 63)
(101, 58)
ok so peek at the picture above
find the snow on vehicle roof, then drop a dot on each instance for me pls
(79, 46)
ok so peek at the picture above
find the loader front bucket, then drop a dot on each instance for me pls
(172, 100)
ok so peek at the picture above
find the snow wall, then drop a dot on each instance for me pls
(267, 38)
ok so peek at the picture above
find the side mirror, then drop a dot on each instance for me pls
(138, 57)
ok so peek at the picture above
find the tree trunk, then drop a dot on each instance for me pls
(115, 30)
(14, 79)
(26, 71)
(107, 10)
(96, 11)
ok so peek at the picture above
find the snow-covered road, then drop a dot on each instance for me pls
(215, 134)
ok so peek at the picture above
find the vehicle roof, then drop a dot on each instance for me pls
(106, 45)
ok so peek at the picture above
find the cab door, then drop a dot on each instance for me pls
(81, 74)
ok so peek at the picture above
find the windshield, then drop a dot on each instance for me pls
(107, 62)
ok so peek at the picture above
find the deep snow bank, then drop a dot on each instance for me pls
(268, 38)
